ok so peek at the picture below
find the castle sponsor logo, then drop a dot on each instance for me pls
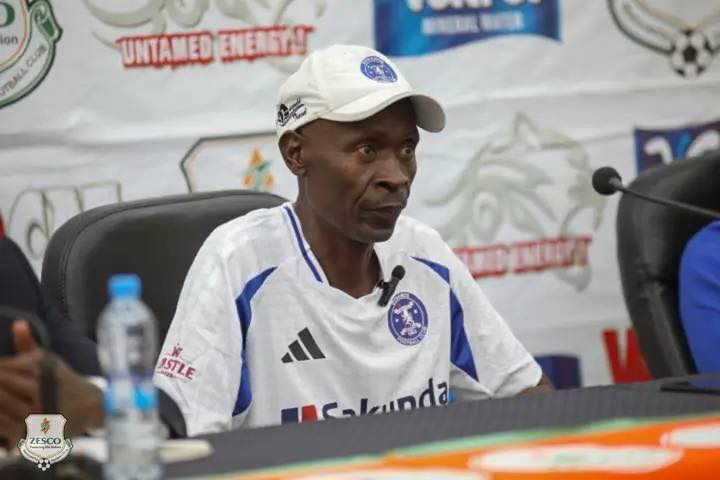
(28, 35)
(267, 31)
(418, 27)
(173, 365)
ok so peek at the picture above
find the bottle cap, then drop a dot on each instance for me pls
(124, 285)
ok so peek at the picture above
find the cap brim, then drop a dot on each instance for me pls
(429, 114)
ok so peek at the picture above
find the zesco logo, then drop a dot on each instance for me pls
(661, 146)
(430, 397)
(28, 34)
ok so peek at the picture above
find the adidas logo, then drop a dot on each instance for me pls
(296, 348)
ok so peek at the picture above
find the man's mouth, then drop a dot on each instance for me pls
(387, 208)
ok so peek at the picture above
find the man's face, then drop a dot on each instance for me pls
(358, 174)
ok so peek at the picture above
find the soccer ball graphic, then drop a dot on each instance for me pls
(691, 54)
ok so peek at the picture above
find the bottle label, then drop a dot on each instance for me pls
(125, 393)
(145, 396)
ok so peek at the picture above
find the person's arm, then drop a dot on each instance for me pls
(487, 360)
(20, 390)
(201, 360)
(699, 291)
(20, 289)
(70, 343)
(544, 386)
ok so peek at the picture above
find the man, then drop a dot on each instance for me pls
(20, 391)
(21, 357)
(74, 358)
(279, 318)
(20, 289)
(700, 297)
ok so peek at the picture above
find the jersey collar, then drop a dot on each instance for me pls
(311, 261)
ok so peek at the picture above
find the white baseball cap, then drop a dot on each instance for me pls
(347, 83)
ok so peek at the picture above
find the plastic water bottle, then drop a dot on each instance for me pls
(127, 333)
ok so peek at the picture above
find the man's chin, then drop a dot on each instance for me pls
(376, 233)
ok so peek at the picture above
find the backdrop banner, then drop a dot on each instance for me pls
(104, 101)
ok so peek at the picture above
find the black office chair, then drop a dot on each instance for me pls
(156, 238)
(651, 239)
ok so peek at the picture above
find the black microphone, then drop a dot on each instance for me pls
(388, 288)
(606, 181)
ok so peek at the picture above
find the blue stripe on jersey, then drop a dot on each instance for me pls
(242, 303)
(301, 244)
(460, 352)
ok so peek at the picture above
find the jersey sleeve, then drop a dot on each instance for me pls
(201, 359)
(487, 360)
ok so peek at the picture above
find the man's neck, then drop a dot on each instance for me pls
(349, 266)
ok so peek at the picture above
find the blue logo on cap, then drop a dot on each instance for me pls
(377, 69)
(407, 319)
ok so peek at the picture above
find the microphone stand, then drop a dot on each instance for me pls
(617, 184)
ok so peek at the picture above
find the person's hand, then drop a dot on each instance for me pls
(19, 385)
(20, 391)
(544, 386)
(79, 400)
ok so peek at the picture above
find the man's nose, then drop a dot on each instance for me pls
(395, 174)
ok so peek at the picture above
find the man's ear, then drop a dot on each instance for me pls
(291, 144)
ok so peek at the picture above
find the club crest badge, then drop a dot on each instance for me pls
(407, 319)
(377, 69)
(28, 35)
(45, 442)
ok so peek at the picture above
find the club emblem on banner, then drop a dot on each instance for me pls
(231, 161)
(258, 175)
(661, 146)
(506, 184)
(690, 47)
(28, 34)
(45, 442)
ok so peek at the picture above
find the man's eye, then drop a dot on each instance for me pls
(408, 151)
(367, 150)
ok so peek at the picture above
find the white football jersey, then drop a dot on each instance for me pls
(260, 337)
